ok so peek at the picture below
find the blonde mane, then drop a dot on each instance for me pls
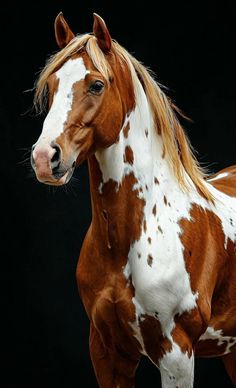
(177, 148)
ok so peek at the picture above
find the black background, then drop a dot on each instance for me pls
(191, 48)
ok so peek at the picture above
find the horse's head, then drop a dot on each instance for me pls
(89, 91)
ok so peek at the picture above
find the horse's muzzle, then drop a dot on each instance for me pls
(46, 160)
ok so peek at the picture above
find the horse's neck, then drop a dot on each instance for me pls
(138, 151)
(132, 176)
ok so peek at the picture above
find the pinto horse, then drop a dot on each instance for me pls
(157, 268)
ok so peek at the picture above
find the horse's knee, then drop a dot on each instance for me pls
(177, 368)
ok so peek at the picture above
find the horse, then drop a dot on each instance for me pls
(157, 268)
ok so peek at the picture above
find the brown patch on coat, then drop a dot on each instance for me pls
(182, 338)
(128, 155)
(149, 260)
(126, 130)
(163, 153)
(211, 348)
(156, 345)
(105, 216)
(226, 184)
(184, 334)
(145, 226)
(154, 210)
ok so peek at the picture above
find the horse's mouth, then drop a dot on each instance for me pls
(58, 178)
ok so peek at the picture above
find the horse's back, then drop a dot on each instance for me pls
(225, 180)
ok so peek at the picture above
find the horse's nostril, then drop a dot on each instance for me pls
(32, 159)
(56, 159)
(57, 154)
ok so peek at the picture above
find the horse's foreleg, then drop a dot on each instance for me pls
(177, 363)
(112, 369)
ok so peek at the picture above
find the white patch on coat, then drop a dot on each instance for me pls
(71, 72)
(218, 335)
(177, 369)
(219, 176)
(163, 288)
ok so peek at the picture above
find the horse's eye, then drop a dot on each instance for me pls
(96, 87)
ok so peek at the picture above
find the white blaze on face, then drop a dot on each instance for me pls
(71, 72)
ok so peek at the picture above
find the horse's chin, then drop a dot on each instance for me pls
(53, 181)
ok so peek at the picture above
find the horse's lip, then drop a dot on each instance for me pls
(60, 178)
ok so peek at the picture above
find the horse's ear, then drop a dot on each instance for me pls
(63, 32)
(101, 32)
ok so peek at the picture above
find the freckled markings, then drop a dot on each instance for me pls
(126, 130)
(145, 226)
(154, 210)
(149, 260)
(149, 240)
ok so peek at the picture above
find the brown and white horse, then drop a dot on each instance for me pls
(157, 269)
